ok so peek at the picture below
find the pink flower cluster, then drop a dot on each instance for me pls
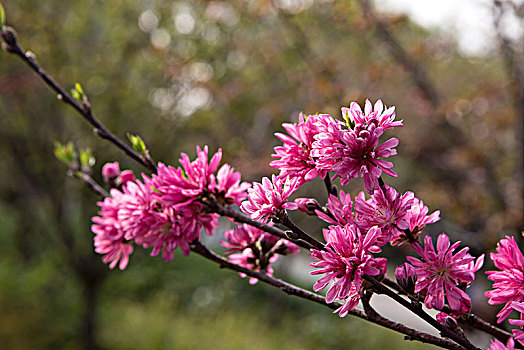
(255, 249)
(320, 144)
(164, 212)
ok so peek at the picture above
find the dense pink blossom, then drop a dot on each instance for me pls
(294, 157)
(508, 283)
(347, 258)
(386, 209)
(352, 153)
(177, 186)
(380, 115)
(267, 198)
(498, 345)
(440, 272)
(340, 209)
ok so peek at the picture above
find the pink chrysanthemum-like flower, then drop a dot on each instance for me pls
(267, 198)
(439, 273)
(498, 345)
(109, 236)
(377, 115)
(344, 262)
(355, 153)
(178, 186)
(386, 209)
(241, 237)
(294, 157)
(508, 283)
(340, 210)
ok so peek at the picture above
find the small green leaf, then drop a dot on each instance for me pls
(155, 190)
(78, 93)
(65, 153)
(2, 17)
(137, 143)
(78, 88)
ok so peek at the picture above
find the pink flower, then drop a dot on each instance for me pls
(498, 345)
(380, 117)
(344, 262)
(266, 199)
(241, 237)
(354, 153)
(340, 210)
(508, 283)
(109, 236)
(417, 219)
(439, 273)
(227, 187)
(294, 157)
(178, 186)
(386, 209)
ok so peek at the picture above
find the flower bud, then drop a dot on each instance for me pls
(110, 172)
(406, 277)
(307, 205)
(126, 176)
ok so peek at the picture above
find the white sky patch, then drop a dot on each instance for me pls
(469, 21)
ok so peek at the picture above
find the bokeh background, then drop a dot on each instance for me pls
(228, 74)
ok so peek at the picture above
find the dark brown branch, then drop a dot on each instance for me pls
(10, 44)
(291, 289)
(238, 216)
(300, 234)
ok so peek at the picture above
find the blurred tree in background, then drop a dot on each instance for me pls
(228, 74)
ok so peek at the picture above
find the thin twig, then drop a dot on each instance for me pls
(10, 44)
(238, 216)
(300, 234)
(89, 181)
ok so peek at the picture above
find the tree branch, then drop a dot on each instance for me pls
(10, 44)
(291, 289)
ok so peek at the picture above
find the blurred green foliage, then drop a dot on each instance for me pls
(226, 74)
